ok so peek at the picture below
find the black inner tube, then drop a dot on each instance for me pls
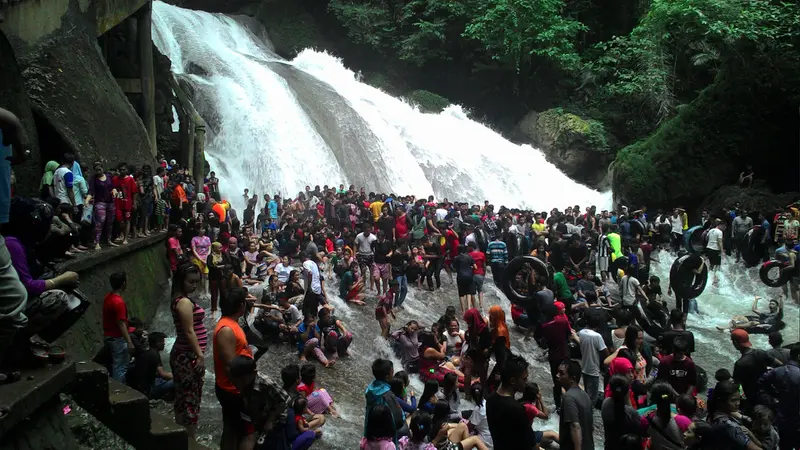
(516, 277)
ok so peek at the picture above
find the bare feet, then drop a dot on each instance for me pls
(97, 246)
(112, 244)
(303, 358)
(330, 363)
(125, 242)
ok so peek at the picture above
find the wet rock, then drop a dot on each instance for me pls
(577, 146)
(73, 93)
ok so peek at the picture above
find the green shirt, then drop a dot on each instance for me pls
(562, 288)
(344, 284)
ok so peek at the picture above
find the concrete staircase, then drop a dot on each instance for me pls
(125, 411)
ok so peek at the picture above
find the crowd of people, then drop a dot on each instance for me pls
(268, 276)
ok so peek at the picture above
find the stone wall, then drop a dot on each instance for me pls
(145, 263)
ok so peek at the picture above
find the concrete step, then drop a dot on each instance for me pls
(126, 411)
(35, 388)
(130, 408)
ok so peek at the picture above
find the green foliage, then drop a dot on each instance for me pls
(428, 101)
(508, 31)
(514, 30)
(565, 128)
(677, 48)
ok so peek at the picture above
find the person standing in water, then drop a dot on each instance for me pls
(715, 247)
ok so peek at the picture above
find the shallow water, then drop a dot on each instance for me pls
(347, 380)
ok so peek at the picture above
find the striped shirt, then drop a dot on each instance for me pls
(604, 247)
(181, 341)
(498, 253)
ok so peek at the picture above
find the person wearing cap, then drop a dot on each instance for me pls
(750, 366)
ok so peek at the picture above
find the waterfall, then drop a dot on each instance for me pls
(277, 126)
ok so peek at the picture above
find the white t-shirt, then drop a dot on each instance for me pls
(283, 272)
(714, 235)
(628, 285)
(677, 224)
(364, 243)
(592, 344)
(441, 214)
(316, 283)
(158, 182)
(478, 419)
(62, 179)
(294, 314)
(470, 238)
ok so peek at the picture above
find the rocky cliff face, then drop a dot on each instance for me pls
(72, 89)
(579, 147)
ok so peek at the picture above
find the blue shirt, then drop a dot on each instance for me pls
(498, 253)
(273, 209)
(301, 344)
(5, 180)
(767, 229)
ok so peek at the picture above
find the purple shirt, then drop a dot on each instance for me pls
(101, 190)
(19, 259)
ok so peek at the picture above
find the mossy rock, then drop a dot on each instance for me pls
(566, 130)
(428, 101)
(380, 81)
(291, 29)
(746, 117)
(577, 146)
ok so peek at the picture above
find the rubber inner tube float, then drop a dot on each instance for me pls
(771, 273)
(637, 228)
(694, 240)
(517, 275)
(751, 246)
(685, 282)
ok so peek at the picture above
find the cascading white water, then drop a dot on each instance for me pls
(277, 126)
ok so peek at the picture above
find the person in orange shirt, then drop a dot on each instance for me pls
(180, 203)
(229, 342)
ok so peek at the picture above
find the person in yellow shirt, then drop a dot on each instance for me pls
(376, 208)
(538, 227)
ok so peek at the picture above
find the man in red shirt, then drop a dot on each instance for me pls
(480, 270)
(126, 190)
(678, 369)
(115, 327)
(556, 334)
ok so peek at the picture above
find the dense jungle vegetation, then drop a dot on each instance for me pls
(676, 84)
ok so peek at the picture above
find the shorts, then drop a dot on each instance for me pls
(714, 257)
(365, 260)
(233, 412)
(479, 283)
(352, 294)
(160, 220)
(539, 436)
(466, 286)
(381, 271)
(602, 263)
(123, 214)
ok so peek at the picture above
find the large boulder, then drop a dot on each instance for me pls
(78, 105)
(758, 198)
(579, 147)
(427, 101)
(748, 116)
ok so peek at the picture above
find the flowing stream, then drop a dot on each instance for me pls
(276, 126)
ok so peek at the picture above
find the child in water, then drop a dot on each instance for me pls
(535, 409)
(384, 309)
(319, 401)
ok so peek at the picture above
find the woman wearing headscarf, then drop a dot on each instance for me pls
(102, 192)
(215, 267)
(478, 341)
(46, 186)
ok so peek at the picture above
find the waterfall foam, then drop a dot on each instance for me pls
(279, 125)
